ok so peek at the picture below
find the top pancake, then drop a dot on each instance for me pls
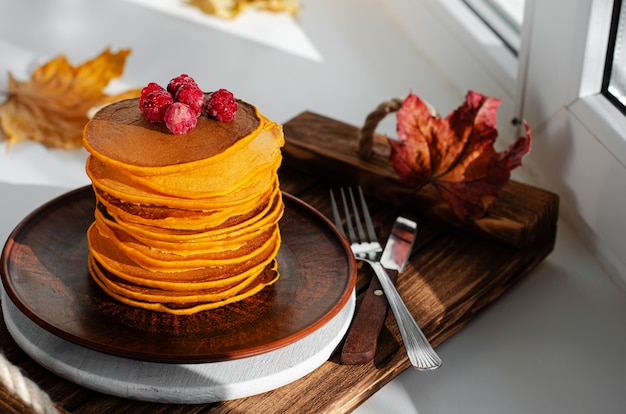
(121, 133)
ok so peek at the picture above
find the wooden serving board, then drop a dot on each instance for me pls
(454, 272)
(328, 148)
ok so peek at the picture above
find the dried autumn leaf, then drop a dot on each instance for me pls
(52, 106)
(455, 154)
(229, 9)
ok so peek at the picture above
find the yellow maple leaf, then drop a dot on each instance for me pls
(52, 106)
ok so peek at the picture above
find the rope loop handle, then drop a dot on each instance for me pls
(366, 133)
(20, 394)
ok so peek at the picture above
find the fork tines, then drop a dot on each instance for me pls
(361, 242)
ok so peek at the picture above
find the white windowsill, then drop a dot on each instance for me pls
(608, 122)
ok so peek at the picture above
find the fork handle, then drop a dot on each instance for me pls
(420, 352)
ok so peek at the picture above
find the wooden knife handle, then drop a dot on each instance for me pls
(362, 339)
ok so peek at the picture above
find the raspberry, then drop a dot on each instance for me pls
(179, 81)
(221, 105)
(191, 95)
(155, 104)
(180, 118)
(151, 87)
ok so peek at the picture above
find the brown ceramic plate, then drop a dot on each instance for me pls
(44, 272)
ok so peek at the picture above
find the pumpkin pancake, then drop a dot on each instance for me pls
(183, 223)
(179, 219)
(159, 261)
(116, 262)
(234, 227)
(266, 278)
(183, 247)
(120, 134)
(148, 294)
(108, 180)
(150, 156)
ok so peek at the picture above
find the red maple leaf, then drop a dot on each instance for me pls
(455, 154)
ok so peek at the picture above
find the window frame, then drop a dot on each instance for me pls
(582, 95)
(609, 61)
(555, 83)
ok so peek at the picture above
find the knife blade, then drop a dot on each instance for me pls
(362, 338)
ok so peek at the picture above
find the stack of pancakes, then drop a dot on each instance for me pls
(183, 223)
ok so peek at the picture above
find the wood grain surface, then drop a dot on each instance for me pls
(453, 274)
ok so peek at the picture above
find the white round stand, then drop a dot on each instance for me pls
(176, 383)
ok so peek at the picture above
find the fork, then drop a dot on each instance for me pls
(366, 248)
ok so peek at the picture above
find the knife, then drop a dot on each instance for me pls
(362, 339)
